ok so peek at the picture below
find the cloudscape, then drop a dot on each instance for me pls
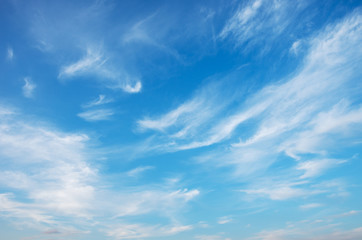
(181, 120)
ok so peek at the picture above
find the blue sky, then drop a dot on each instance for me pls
(205, 120)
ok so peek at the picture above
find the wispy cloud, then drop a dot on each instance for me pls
(51, 183)
(296, 47)
(347, 214)
(93, 114)
(281, 191)
(211, 237)
(187, 121)
(81, 52)
(6, 111)
(311, 205)
(10, 208)
(94, 63)
(10, 53)
(284, 113)
(259, 22)
(312, 232)
(165, 202)
(136, 231)
(96, 115)
(135, 88)
(144, 32)
(63, 183)
(91, 63)
(172, 117)
(316, 167)
(139, 170)
(225, 220)
(102, 99)
(327, 227)
(259, 144)
(28, 87)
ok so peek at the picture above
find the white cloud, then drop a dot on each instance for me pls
(259, 22)
(51, 183)
(303, 116)
(137, 231)
(132, 89)
(10, 54)
(190, 125)
(347, 214)
(316, 167)
(281, 191)
(298, 116)
(310, 232)
(282, 112)
(10, 208)
(310, 205)
(62, 185)
(102, 99)
(353, 234)
(290, 187)
(6, 111)
(171, 118)
(225, 220)
(149, 31)
(96, 115)
(28, 87)
(165, 202)
(92, 62)
(339, 121)
(295, 48)
(96, 64)
(242, 16)
(80, 51)
(211, 237)
(138, 171)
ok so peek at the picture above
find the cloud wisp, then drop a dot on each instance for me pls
(136, 231)
(312, 232)
(94, 63)
(81, 52)
(51, 182)
(292, 105)
(295, 117)
(182, 120)
(10, 54)
(261, 23)
(139, 170)
(28, 88)
(101, 100)
(96, 115)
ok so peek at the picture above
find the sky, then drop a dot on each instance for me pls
(181, 120)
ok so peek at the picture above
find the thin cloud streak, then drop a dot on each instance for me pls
(294, 117)
(261, 23)
(101, 100)
(286, 108)
(311, 206)
(10, 54)
(139, 170)
(73, 36)
(51, 180)
(273, 127)
(137, 231)
(312, 233)
(316, 167)
(94, 63)
(28, 87)
(96, 115)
